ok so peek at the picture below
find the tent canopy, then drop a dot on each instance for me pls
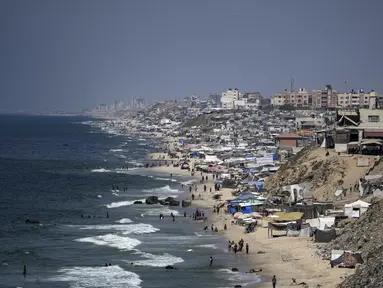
(289, 216)
(357, 204)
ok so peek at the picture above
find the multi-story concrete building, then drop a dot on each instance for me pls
(359, 99)
(325, 98)
(255, 99)
(300, 98)
(229, 97)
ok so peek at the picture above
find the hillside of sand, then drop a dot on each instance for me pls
(325, 170)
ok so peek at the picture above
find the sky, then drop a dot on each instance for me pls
(68, 55)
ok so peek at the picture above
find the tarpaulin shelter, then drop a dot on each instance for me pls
(345, 258)
(355, 209)
(324, 236)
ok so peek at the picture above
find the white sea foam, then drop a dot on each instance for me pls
(89, 277)
(162, 190)
(161, 260)
(158, 211)
(101, 170)
(111, 240)
(121, 156)
(139, 228)
(189, 182)
(165, 179)
(124, 221)
(212, 246)
(116, 150)
(115, 194)
(122, 203)
(240, 277)
(135, 163)
(99, 196)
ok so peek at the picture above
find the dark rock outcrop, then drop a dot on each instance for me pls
(169, 199)
(186, 203)
(234, 269)
(151, 200)
(174, 203)
(137, 202)
(163, 202)
(170, 267)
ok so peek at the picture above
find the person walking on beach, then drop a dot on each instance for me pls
(204, 188)
(274, 281)
(25, 271)
(247, 248)
(229, 246)
(211, 261)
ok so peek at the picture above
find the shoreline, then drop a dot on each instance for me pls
(285, 257)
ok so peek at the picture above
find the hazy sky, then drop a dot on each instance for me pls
(75, 54)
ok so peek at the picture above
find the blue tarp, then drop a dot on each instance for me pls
(256, 183)
(244, 197)
(218, 182)
(250, 157)
(272, 154)
(246, 209)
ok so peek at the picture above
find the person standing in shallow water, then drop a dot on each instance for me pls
(211, 261)
(25, 271)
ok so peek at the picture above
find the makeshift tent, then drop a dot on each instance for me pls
(295, 230)
(345, 258)
(355, 209)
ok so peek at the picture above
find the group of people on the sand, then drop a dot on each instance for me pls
(238, 247)
(198, 214)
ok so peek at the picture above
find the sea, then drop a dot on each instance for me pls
(75, 181)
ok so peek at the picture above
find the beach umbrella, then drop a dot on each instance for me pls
(237, 214)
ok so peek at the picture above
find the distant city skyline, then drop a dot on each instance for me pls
(69, 55)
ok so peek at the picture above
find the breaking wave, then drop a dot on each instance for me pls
(88, 277)
(162, 190)
(122, 203)
(112, 240)
(161, 260)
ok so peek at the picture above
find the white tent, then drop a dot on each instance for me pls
(355, 209)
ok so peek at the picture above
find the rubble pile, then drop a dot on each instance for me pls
(320, 170)
(364, 235)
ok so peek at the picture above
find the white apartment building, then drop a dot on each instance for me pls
(229, 97)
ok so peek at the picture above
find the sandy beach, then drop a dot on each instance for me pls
(285, 257)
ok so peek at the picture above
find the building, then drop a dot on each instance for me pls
(325, 98)
(229, 97)
(371, 124)
(255, 99)
(358, 99)
(288, 141)
(300, 98)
